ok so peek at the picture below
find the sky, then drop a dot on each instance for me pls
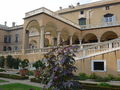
(14, 10)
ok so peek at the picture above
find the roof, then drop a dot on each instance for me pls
(3, 27)
(51, 13)
(89, 5)
(6, 28)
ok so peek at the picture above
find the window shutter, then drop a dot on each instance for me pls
(114, 19)
(118, 65)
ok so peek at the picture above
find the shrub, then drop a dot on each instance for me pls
(103, 84)
(9, 60)
(2, 61)
(82, 76)
(39, 64)
(13, 76)
(2, 70)
(24, 63)
(24, 72)
(37, 80)
(93, 76)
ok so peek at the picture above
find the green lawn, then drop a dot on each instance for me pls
(18, 86)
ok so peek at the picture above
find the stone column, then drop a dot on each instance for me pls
(80, 42)
(99, 42)
(42, 37)
(58, 37)
(71, 39)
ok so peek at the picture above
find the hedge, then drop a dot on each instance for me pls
(10, 76)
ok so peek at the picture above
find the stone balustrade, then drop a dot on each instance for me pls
(99, 48)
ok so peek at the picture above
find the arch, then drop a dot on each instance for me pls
(75, 38)
(89, 38)
(31, 24)
(47, 42)
(109, 35)
(33, 44)
(9, 48)
(65, 36)
(51, 28)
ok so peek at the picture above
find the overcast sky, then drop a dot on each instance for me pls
(14, 10)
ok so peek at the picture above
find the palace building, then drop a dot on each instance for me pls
(93, 27)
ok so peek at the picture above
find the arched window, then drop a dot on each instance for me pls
(82, 21)
(4, 48)
(108, 18)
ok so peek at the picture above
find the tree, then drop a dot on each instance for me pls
(2, 61)
(16, 63)
(59, 69)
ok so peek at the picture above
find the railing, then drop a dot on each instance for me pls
(4, 53)
(104, 24)
(100, 48)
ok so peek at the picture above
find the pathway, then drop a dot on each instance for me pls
(28, 82)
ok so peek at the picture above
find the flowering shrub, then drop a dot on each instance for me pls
(24, 72)
(37, 73)
(58, 73)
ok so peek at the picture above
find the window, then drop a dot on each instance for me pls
(98, 65)
(107, 7)
(81, 12)
(82, 21)
(108, 18)
(17, 38)
(7, 39)
(9, 48)
(118, 65)
(15, 48)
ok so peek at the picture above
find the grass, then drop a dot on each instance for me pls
(18, 86)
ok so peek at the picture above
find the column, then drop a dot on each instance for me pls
(70, 39)
(80, 42)
(42, 37)
(58, 37)
(110, 45)
(98, 42)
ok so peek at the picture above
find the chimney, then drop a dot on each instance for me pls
(13, 24)
(78, 4)
(60, 8)
(5, 23)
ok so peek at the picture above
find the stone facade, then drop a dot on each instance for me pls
(82, 25)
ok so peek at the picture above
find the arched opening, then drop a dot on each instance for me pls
(89, 38)
(9, 48)
(33, 44)
(65, 38)
(75, 39)
(51, 33)
(47, 42)
(32, 31)
(109, 35)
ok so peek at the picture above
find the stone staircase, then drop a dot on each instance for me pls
(100, 48)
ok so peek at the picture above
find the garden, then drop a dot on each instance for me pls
(55, 71)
